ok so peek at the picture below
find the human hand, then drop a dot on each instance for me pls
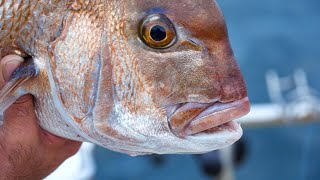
(26, 150)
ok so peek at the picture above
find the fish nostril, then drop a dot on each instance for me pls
(232, 94)
(194, 41)
(194, 97)
(200, 98)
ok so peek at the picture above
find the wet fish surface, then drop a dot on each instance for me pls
(134, 76)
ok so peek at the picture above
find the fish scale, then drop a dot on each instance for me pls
(124, 59)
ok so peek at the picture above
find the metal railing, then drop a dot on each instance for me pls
(292, 102)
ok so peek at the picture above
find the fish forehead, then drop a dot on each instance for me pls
(199, 17)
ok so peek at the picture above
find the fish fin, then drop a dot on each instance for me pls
(14, 87)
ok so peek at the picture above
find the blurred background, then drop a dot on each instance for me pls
(279, 35)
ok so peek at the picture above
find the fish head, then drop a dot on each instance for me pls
(174, 82)
(141, 76)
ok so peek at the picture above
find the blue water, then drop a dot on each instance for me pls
(276, 34)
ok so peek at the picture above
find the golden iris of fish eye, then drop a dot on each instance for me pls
(157, 20)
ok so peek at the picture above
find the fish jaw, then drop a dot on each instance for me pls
(193, 119)
(218, 137)
(210, 129)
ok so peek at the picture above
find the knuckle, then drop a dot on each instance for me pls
(73, 149)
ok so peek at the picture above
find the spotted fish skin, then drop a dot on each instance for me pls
(98, 81)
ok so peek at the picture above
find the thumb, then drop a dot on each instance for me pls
(22, 110)
(7, 65)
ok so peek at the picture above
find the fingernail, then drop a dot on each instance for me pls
(9, 67)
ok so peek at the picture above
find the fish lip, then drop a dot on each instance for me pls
(202, 117)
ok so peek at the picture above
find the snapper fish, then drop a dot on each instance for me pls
(133, 76)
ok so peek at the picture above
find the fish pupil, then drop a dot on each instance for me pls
(158, 33)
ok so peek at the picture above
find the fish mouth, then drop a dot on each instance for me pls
(192, 119)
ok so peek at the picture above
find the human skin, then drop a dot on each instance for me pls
(26, 150)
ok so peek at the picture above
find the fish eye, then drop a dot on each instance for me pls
(157, 31)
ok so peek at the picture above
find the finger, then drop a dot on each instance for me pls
(56, 142)
(69, 149)
(60, 152)
(63, 152)
(20, 118)
(72, 147)
(7, 65)
(51, 139)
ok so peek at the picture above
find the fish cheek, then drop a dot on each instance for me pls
(82, 74)
(179, 77)
(75, 65)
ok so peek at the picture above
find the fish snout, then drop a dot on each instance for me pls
(220, 99)
(232, 87)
